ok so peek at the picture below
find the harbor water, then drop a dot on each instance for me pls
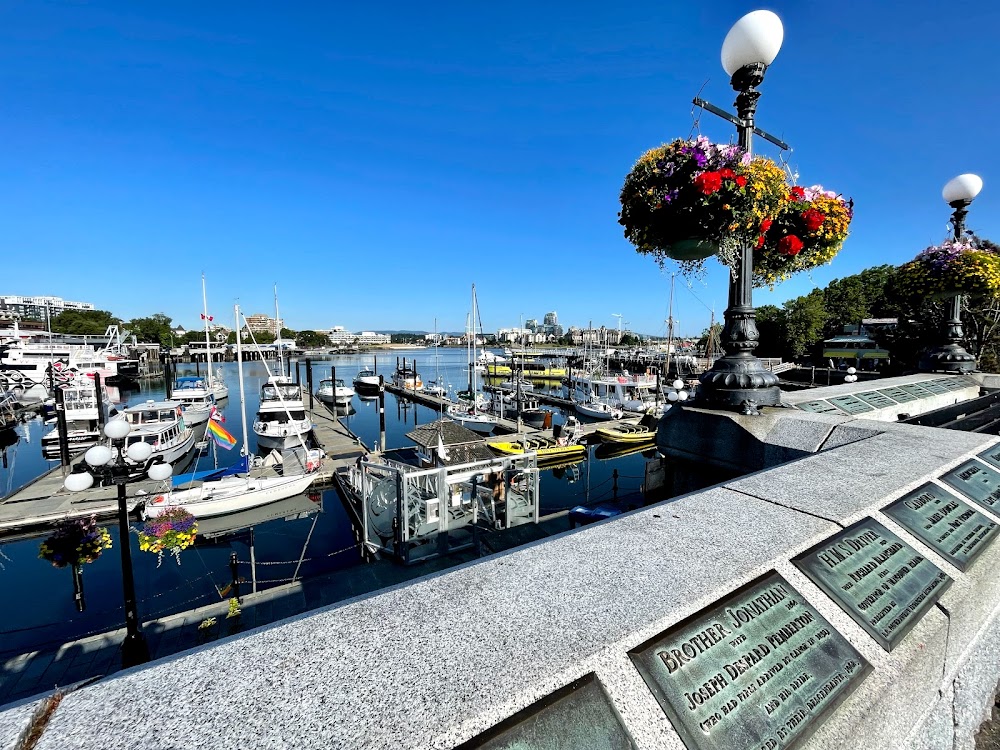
(316, 536)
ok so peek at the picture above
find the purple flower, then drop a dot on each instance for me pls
(669, 195)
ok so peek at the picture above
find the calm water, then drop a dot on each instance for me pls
(324, 537)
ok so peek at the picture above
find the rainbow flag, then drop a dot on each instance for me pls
(221, 437)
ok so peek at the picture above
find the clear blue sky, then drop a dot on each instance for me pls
(376, 159)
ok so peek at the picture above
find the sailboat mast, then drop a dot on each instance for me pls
(239, 365)
(670, 323)
(277, 331)
(208, 345)
(472, 364)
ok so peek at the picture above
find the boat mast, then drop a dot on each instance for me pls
(245, 450)
(670, 322)
(277, 331)
(472, 364)
(208, 345)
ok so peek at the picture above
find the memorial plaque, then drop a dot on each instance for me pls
(917, 390)
(934, 386)
(948, 524)
(955, 384)
(576, 716)
(850, 404)
(898, 394)
(978, 481)
(992, 455)
(757, 669)
(876, 400)
(876, 577)
(819, 407)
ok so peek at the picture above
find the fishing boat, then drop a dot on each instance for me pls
(230, 494)
(330, 392)
(547, 449)
(407, 377)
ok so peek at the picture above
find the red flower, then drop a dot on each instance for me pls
(708, 182)
(760, 241)
(789, 245)
(797, 193)
(813, 219)
(741, 180)
(765, 225)
(727, 174)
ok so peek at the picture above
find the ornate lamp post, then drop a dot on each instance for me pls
(739, 380)
(115, 466)
(959, 192)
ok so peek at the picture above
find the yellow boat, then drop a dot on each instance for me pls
(529, 370)
(626, 433)
(546, 448)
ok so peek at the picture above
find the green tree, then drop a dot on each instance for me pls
(191, 336)
(771, 325)
(83, 322)
(311, 340)
(805, 320)
(287, 333)
(155, 329)
(263, 337)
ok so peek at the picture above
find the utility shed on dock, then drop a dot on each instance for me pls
(461, 444)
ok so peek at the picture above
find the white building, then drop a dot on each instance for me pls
(15, 306)
(340, 337)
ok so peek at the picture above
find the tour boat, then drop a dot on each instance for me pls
(330, 392)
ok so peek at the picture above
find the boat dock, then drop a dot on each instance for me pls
(341, 446)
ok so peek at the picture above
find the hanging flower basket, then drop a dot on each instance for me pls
(173, 531)
(687, 200)
(807, 232)
(953, 267)
(75, 542)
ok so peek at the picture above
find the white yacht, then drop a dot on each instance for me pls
(162, 425)
(366, 380)
(281, 420)
(196, 398)
(619, 390)
(83, 417)
(330, 392)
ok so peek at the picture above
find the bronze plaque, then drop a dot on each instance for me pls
(898, 394)
(876, 399)
(577, 716)
(818, 407)
(876, 577)
(992, 455)
(946, 523)
(850, 404)
(978, 481)
(757, 669)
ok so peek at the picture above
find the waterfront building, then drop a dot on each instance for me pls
(261, 322)
(17, 307)
(550, 319)
(341, 337)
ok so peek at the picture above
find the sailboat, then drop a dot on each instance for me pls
(215, 384)
(469, 415)
(231, 493)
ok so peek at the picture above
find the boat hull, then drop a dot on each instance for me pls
(229, 495)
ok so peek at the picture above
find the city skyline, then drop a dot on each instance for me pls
(374, 164)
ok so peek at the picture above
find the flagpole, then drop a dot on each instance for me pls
(245, 450)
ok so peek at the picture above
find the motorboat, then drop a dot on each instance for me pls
(366, 381)
(338, 392)
(597, 408)
(196, 397)
(625, 432)
(281, 420)
(406, 377)
(626, 391)
(162, 425)
(84, 413)
(547, 449)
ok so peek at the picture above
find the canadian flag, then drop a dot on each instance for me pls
(207, 317)
(217, 415)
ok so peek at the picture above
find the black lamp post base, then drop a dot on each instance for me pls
(134, 650)
(739, 383)
(947, 358)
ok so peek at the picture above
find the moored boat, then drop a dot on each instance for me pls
(366, 381)
(330, 392)
(281, 420)
(547, 449)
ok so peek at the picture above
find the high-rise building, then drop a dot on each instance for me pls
(551, 319)
(261, 322)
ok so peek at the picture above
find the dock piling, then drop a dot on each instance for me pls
(61, 427)
(100, 402)
(381, 413)
(309, 381)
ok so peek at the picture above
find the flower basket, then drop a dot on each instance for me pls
(951, 268)
(75, 542)
(173, 531)
(684, 199)
(807, 232)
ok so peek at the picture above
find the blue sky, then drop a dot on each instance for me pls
(376, 159)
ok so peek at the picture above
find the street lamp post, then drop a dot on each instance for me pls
(959, 192)
(116, 465)
(739, 380)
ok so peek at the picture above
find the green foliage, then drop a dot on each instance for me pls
(311, 339)
(83, 322)
(407, 338)
(263, 337)
(771, 324)
(805, 319)
(191, 336)
(287, 333)
(153, 330)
